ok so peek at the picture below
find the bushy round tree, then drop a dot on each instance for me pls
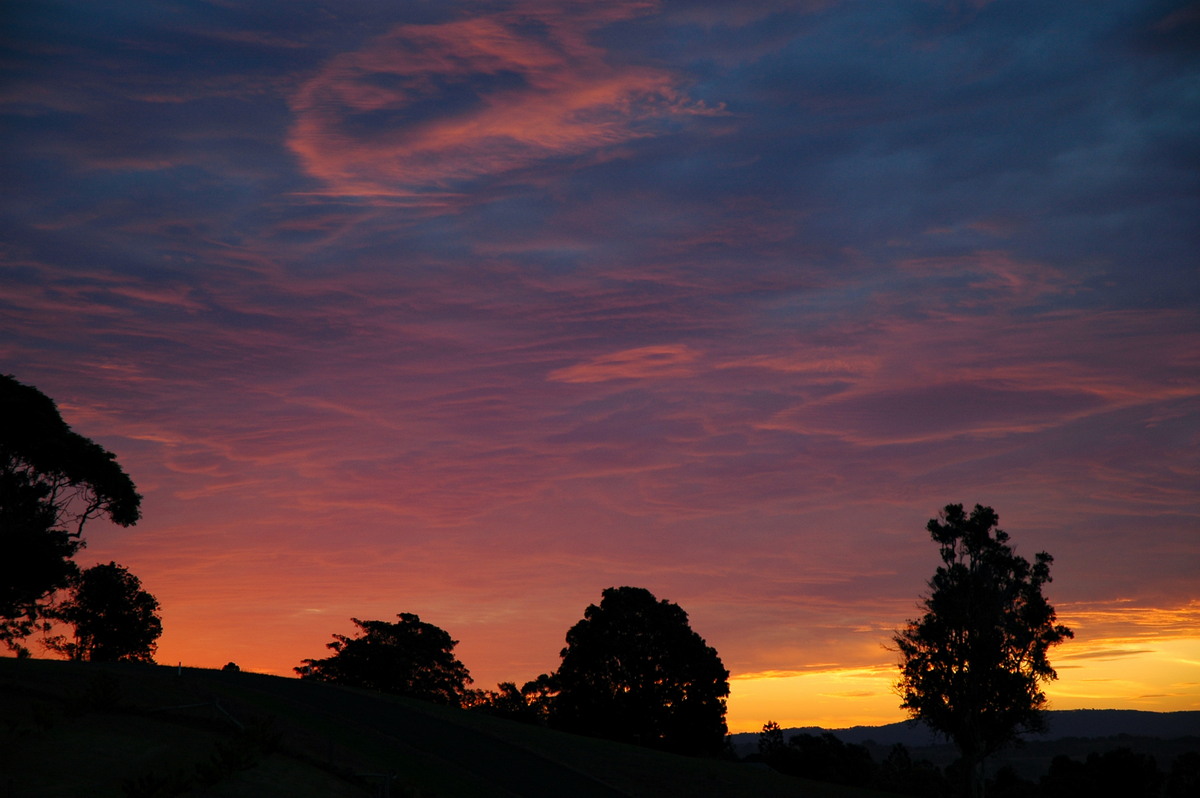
(113, 618)
(409, 658)
(633, 670)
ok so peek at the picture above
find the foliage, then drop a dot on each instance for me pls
(114, 619)
(539, 694)
(52, 481)
(505, 701)
(827, 758)
(901, 774)
(1008, 783)
(770, 740)
(824, 758)
(1184, 776)
(1117, 773)
(513, 703)
(409, 658)
(634, 671)
(531, 703)
(973, 664)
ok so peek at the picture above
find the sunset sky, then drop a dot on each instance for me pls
(474, 309)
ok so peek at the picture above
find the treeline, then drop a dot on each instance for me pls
(632, 671)
(1117, 773)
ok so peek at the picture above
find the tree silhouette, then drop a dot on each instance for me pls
(1184, 776)
(899, 774)
(824, 758)
(633, 670)
(114, 619)
(1117, 773)
(770, 739)
(540, 694)
(973, 664)
(507, 701)
(408, 658)
(52, 481)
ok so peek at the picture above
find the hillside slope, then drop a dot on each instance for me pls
(70, 729)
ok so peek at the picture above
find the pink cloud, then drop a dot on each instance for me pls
(513, 89)
(821, 363)
(644, 362)
(988, 376)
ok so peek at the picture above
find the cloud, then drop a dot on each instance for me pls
(646, 362)
(1129, 622)
(1106, 653)
(430, 107)
(938, 412)
(988, 276)
(853, 694)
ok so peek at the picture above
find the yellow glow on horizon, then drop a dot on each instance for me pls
(831, 699)
(1156, 675)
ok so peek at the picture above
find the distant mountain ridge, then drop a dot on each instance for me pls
(1081, 723)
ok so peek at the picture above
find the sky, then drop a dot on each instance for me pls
(474, 309)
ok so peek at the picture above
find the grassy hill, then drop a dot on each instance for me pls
(71, 729)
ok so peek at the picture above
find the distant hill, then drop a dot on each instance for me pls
(1075, 723)
(1072, 733)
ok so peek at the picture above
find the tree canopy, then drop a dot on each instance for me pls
(633, 670)
(408, 658)
(114, 619)
(52, 481)
(974, 663)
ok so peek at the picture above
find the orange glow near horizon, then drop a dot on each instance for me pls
(1132, 658)
(1154, 667)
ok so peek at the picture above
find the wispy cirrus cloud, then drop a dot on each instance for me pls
(646, 362)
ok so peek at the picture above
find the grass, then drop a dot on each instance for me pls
(129, 731)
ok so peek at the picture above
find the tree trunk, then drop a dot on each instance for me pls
(972, 775)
